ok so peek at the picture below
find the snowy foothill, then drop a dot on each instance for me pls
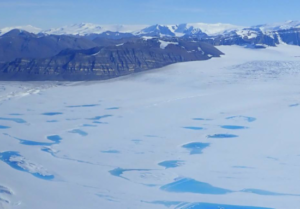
(221, 133)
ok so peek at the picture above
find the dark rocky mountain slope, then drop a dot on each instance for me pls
(108, 61)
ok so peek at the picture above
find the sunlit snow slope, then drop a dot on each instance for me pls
(223, 133)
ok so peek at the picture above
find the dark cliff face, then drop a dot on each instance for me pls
(291, 36)
(108, 62)
(21, 44)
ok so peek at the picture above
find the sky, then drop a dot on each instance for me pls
(56, 13)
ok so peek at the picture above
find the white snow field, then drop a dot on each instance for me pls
(214, 134)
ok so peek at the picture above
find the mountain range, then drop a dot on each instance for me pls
(179, 30)
(89, 51)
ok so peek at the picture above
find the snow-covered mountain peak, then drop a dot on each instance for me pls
(213, 29)
(158, 30)
(189, 29)
(28, 28)
(278, 26)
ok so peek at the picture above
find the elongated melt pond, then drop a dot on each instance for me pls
(55, 138)
(222, 136)
(193, 128)
(232, 127)
(16, 120)
(4, 127)
(52, 113)
(18, 162)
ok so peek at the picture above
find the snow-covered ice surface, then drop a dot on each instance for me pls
(214, 134)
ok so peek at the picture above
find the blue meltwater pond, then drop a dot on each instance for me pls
(55, 138)
(196, 147)
(194, 128)
(171, 163)
(4, 127)
(52, 113)
(187, 185)
(221, 136)
(232, 127)
(113, 108)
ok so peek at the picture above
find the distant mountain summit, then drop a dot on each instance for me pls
(28, 28)
(157, 30)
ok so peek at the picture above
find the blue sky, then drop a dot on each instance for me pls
(56, 13)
